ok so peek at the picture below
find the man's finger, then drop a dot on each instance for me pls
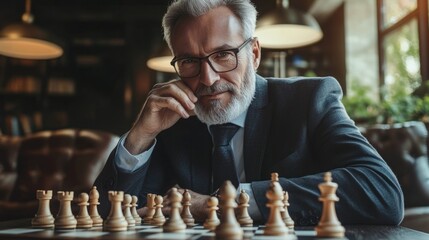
(158, 103)
(187, 90)
(142, 211)
(177, 92)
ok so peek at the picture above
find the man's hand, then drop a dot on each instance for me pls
(142, 212)
(165, 105)
(198, 205)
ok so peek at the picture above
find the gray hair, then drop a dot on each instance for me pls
(243, 9)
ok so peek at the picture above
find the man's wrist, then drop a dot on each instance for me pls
(137, 144)
(127, 162)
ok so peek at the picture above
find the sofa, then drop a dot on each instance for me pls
(65, 159)
(404, 147)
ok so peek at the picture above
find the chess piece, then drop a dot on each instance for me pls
(158, 218)
(43, 217)
(329, 226)
(127, 211)
(228, 227)
(274, 177)
(186, 211)
(94, 195)
(243, 215)
(136, 216)
(83, 218)
(212, 220)
(65, 218)
(275, 225)
(175, 222)
(116, 221)
(285, 213)
(150, 204)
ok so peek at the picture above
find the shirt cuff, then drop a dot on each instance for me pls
(127, 162)
(253, 209)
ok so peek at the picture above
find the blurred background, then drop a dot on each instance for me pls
(101, 79)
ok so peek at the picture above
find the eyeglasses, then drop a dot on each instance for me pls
(220, 61)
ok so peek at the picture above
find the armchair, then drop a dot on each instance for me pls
(67, 159)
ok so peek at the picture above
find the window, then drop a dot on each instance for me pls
(402, 58)
(403, 44)
(395, 10)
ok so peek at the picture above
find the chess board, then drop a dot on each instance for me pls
(140, 232)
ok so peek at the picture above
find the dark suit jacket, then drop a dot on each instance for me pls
(296, 127)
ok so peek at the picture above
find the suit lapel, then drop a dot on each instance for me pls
(257, 126)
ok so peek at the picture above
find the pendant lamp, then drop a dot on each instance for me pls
(161, 64)
(24, 40)
(160, 60)
(286, 28)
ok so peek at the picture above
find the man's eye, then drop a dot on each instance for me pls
(188, 61)
(224, 54)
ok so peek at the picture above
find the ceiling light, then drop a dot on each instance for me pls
(160, 59)
(286, 28)
(161, 64)
(24, 40)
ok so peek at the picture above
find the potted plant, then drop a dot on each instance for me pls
(363, 109)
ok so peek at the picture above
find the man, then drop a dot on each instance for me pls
(296, 127)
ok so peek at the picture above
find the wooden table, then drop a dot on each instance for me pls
(21, 229)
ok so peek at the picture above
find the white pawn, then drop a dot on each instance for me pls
(285, 213)
(116, 221)
(65, 218)
(329, 226)
(150, 204)
(83, 218)
(127, 211)
(43, 217)
(212, 220)
(186, 211)
(158, 219)
(136, 216)
(94, 195)
(275, 225)
(243, 214)
(228, 228)
(175, 222)
(274, 177)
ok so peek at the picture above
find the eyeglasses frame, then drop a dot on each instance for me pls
(200, 59)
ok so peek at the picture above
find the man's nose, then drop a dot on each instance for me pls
(207, 75)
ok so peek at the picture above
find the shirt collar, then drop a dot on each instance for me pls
(240, 120)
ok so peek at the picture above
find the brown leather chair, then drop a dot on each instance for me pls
(8, 154)
(68, 160)
(404, 148)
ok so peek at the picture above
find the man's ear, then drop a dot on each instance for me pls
(256, 53)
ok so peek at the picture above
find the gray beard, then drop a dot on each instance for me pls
(240, 100)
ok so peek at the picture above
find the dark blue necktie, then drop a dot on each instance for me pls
(223, 167)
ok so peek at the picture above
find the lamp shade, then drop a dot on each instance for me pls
(286, 28)
(24, 40)
(160, 58)
(161, 64)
